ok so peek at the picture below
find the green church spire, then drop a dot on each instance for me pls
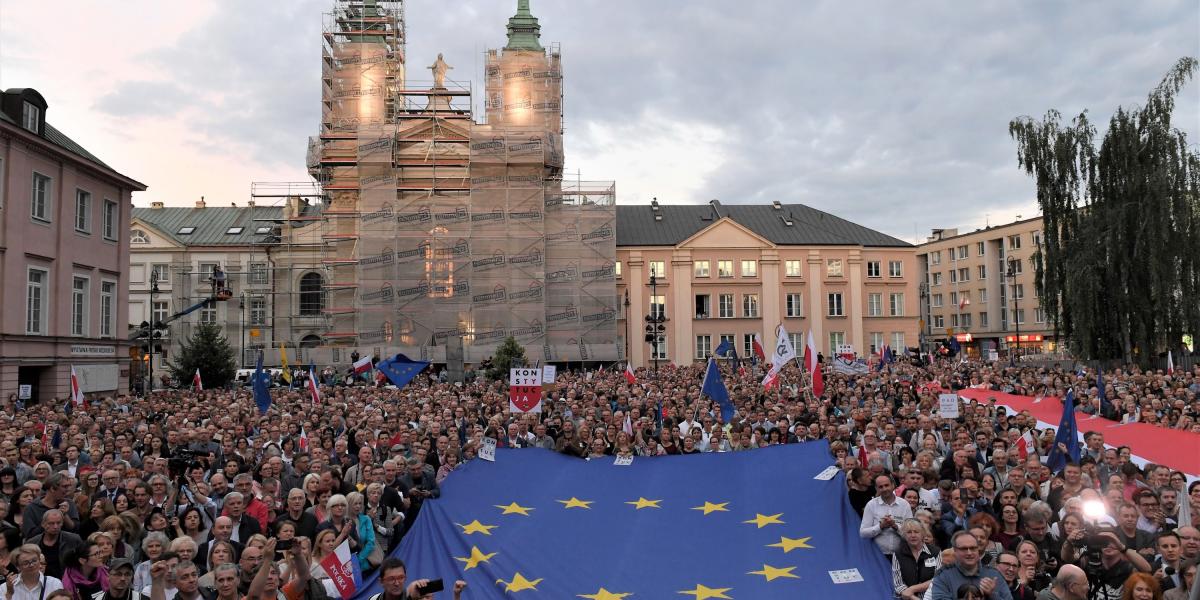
(523, 29)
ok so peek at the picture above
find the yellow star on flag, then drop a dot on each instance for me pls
(710, 507)
(477, 527)
(788, 544)
(641, 503)
(514, 509)
(763, 520)
(476, 557)
(773, 573)
(703, 592)
(604, 594)
(519, 583)
(576, 503)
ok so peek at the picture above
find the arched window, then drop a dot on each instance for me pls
(312, 294)
(137, 236)
(310, 341)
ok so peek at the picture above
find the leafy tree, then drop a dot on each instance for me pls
(1119, 270)
(207, 350)
(509, 355)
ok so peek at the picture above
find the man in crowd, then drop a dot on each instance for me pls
(883, 515)
(968, 570)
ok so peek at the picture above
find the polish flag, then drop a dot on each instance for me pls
(1025, 444)
(627, 426)
(814, 369)
(772, 378)
(1170, 363)
(314, 388)
(196, 383)
(76, 392)
(629, 376)
(303, 443)
(757, 347)
(964, 302)
(363, 365)
(342, 567)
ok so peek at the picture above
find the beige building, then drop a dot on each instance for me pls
(730, 271)
(979, 287)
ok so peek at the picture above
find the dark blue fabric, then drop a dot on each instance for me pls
(1067, 435)
(714, 387)
(401, 369)
(262, 396)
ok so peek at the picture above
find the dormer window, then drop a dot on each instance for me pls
(186, 230)
(234, 230)
(137, 236)
(30, 116)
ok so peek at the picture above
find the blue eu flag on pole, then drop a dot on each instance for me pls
(723, 348)
(262, 395)
(401, 369)
(647, 529)
(1067, 435)
(714, 388)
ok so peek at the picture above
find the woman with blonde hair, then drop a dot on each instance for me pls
(323, 545)
(116, 528)
(103, 544)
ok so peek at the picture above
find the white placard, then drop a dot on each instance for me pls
(623, 461)
(488, 450)
(948, 406)
(24, 392)
(993, 355)
(846, 576)
(549, 372)
(827, 474)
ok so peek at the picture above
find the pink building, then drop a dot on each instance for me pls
(64, 256)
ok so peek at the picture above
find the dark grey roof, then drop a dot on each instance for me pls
(60, 139)
(636, 225)
(211, 223)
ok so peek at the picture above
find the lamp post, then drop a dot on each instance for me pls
(626, 325)
(1012, 274)
(150, 331)
(242, 327)
(655, 322)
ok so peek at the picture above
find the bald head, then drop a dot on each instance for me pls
(1068, 577)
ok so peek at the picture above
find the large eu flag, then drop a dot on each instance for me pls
(746, 525)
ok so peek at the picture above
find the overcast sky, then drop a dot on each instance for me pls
(890, 114)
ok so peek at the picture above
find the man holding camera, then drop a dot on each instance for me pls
(393, 575)
(1107, 561)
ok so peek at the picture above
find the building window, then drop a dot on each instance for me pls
(725, 306)
(953, 275)
(795, 305)
(724, 268)
(837, 339)
(108, 299)
(263, 230)
(898, 341)
(617, 269)
(1016, 266)
(258, 311)
(749, 268)
(874, 305)
(1020, 316)
(161, 272)
(962, 252)
(835, 305)
(1014, 242)
(703, 306)
(937, 300)
(727, 337)
(937, 278)
(1039, 315)
(659, 350)
(983, 295)
(234, 230)
(876, 341)
(189, 230)
(30, 116)
(954, 320)
(792, 268)
(939, 321)
(208, 315)
(79, 305)
(83, 211)
(1036, 238)
(137, 236)
(1019, 291)
(979, 248)
(160, 311)
(833, 267)
(872, 268)
(896, 304)
(258, 273)
(797, 340)
(36, 293)
(658, 306)
(700, 268)
(658, 269)
(111, 219)
(750, 306)
(983, 320)
(935, 258)
(982, 272)
(964, 274)
(312, 296)
(748, 345)
(953, 298)
(41, 197)
(966, 319)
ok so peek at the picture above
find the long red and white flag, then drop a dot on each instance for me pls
(76, 391)
(362, 365)
(314, 387)
(1170, 363)
(196, 383)
(757, 346)
(629, 376)
(813, 367)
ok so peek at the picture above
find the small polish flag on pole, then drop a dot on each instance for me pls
(1170, 363)
(757, 347)
(196, 383)
(313, 387)
(1025, 444)
(363, 365)
(629, 376)
(342, 568)
(76, 392)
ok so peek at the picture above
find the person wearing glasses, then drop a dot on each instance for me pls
(84, 572)
(28, 583)
(1009, 568)
(968, 570)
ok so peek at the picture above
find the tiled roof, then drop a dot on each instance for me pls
(211, 223)
(636, 225)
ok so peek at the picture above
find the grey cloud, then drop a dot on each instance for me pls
(145, 99)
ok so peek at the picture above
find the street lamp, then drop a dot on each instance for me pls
(1012, 274)
(242, 327)
(151, 331)
(626, 325)
(655, 322)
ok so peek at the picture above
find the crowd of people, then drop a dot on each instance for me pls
(199, 494)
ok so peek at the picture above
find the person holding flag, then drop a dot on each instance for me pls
(265, 585)
(196, 383)
(784, 353)
(630, 378)
(76, 392)
(314, 387)
(714, 387)
(815, 377)
(1066, 439)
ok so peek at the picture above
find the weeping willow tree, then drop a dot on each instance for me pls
(1119, 271)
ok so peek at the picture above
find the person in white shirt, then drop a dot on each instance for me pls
(29, 583)
(883, 515)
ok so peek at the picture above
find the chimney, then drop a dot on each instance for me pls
(200, 202)
(250, 203)
(156, 205)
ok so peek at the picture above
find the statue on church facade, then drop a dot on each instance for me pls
(439, 68)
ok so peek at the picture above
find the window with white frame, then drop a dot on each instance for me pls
(1016, 266)
(1039, 315)
(935, 258)
(953, 275)
(37, 291)
(137, 236)
(750, 305)
(83, 211)
(1014, 242)
(658, 269)
(727, 337)
(1020, 316)
(979, 248)
(108, 300)
(617, 269)
(258, 311)
(896, 304)
(836, 340)
(964, 274)
(79, 305)
(725, 306)
(983, 320)
(982, 272)
(659, 350)
(31, 114)
(703, 306)
(897, 341)
(658, 306)
(953, 298)
(700, 268)
(1036, 238)
(872, 268)
(749, 268)
(875, 305)
(793, 268)
(962, 252)
(112, 218)
(966, 320)
(747, 345)
(161, 272)
(895, 268)
(876, 341)
(1019, 291)
(939, 321)
(258, 273)
(40, 207)
(795, 305)
(954, 320)
(797, 340)
(833, 267)
(936, 300)
(724, 268)
(160, 311)
(937, 278)
(208, 314)
(983, 295)
(835, 305)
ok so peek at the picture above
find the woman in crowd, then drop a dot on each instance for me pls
(312, 488)
(101, 509)
(84, 571)
(365, 529)
(1141, 586)
(987, 526)
(153, 545)
(8, 482)
(915, 563)
(117, 531)
(1010, 525)
(323, 545)
(384, 518)
(193, 523)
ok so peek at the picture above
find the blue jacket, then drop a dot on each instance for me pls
(948, 580)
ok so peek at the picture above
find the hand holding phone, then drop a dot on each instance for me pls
(431, 586)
